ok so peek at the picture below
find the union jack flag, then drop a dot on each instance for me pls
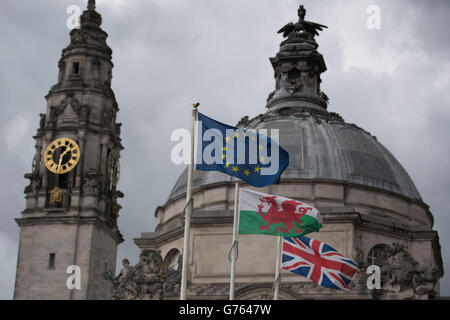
(318, 261)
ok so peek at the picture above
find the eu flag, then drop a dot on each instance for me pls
(245, 154)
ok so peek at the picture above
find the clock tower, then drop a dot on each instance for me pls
(72, 205)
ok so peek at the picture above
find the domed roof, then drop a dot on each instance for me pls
(323, 146)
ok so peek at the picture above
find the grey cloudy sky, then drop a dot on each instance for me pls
(393, 82)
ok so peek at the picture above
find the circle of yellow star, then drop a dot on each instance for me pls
(235, 169)
(247, 172)
(257, 169)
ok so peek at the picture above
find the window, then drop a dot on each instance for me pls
(378, 254)
(173, 261)
(76, 68)
(51, 261)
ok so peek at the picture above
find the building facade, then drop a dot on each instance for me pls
(371, 209)
(71, 210)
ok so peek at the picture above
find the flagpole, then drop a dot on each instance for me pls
(234, 245)
(188, 209)
(276, 290)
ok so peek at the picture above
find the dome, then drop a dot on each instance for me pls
(321, 146)
(366, 198)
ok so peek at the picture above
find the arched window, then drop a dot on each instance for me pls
(172, 261)
(378, 254)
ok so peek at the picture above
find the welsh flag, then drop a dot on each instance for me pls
(262, 213)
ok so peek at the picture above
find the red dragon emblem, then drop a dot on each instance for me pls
(291, 211)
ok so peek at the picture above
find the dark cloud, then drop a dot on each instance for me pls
(392, 82)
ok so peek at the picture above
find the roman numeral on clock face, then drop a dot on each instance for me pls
(62, 155)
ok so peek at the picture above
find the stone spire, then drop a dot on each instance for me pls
(88, 44)
(298, 66)
(90, 18)
(83, 200)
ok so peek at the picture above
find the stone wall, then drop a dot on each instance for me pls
(355, 218)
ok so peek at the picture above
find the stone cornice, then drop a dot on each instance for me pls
(79, 220)
(91, 50)
(346, 184)
(277, 103)
(219, 218)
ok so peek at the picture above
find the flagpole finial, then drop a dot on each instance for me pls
(195, 105)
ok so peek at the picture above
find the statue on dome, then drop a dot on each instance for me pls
(302, 28)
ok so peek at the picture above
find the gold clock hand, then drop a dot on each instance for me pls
(61, 157)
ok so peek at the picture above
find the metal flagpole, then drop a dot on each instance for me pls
(276, 289)
(188, 208)
(234, 245)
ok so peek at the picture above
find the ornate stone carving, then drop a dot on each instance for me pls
(302, 29)
(91, 182)
(358, 257)
(173, 279)
(291, 80)
(424, 285)
(149, 277)
(74, 104)
(85, 111)
(401, 275)
(207, 290)
(288, 76)
(55, 111)
(42, 120)
(143, 281)
(304, 113)
(324, 97)
(35, 182)
(107, 116)
(78, 36)
(262, 296)
(124, 289)
(360, 277)
(243, 122)
(115, 208)
(117, 129)
(62, 70)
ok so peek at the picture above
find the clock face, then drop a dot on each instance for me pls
(62, 155)
(114, 167)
